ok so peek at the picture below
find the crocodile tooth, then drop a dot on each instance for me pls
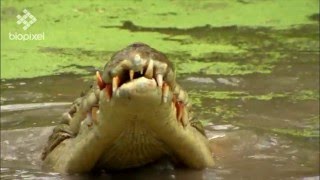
(108, 92)
(131, 74)
(180, 109)
(149, 71)
(100, 82)
(115, 84)
(165, 92)
(141, 71)
(159, 80)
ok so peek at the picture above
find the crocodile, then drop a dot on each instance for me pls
(133, 114)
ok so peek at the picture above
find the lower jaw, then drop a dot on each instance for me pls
(136, 122)
(160, 121)
(146, 109)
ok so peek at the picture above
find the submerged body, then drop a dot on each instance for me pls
(133, 115)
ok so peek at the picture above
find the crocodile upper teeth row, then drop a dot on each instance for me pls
(137, 65)
(116, 81)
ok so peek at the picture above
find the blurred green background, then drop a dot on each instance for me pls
(83, 34)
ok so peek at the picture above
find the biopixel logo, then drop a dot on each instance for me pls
(26, 19)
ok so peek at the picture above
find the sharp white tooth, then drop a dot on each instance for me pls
(131, 74)
(165, 93)
(115, 84)
(100, 82)
(141, 71)
(149, 71)
(159, 80)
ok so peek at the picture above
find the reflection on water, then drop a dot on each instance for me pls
(244, 141)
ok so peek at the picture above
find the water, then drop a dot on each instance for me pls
(245, 144)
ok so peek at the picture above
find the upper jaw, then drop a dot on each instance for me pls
(137, 75)
(134, 65)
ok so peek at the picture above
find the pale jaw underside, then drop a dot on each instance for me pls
(144, 99)
(137, 110)
(139, 101)
(134, 94)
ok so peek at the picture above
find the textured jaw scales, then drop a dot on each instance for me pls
(136, 96)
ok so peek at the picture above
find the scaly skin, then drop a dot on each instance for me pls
(135, 114)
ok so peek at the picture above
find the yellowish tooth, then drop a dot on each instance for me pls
(180, 112)
(141, 71)
(131, 74)
(149, 71)
(115, 84)
(159, 80)
(100, 82)
(108, 92)
(165, 92)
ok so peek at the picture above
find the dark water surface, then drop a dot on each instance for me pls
(245, 132)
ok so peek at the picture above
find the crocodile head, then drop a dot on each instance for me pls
(134, 115)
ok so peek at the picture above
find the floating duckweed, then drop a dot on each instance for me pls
(223, 68)
(71, 44)
(224, 95)
(307, 133)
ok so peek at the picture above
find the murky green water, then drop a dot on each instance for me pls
(252, 74)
